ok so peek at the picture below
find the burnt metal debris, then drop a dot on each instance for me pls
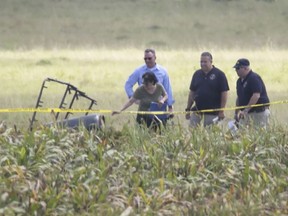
(92, 121)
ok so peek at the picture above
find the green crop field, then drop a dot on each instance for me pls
(122, 169)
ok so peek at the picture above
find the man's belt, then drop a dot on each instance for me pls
(259, 109)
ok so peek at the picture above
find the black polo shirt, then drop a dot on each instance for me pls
(208, 88)
(252, 83)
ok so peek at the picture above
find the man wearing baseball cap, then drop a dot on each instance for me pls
(251, 93)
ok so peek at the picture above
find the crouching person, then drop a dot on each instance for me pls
(150, 91)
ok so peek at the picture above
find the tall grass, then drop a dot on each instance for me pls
(126, 170)
(102, 74)
(132, 171)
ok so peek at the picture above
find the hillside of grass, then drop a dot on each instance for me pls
(171, 24)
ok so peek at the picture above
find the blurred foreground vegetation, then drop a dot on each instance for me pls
(57, 171)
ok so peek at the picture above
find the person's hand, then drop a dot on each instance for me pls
(221, 115)
(242, 114)
(115, 112)
(170, 110)
(187, 115)
(160, 103)
(236, 116)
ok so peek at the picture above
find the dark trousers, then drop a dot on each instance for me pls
(151, 121)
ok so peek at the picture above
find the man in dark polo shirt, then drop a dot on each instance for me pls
(208, 89)
(251, 91)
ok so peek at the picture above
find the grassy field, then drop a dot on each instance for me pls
(122, 169)
(135, 172)
(170, 24)
(102, 73)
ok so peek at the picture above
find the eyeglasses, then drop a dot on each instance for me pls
(237, 68)
(148, 58)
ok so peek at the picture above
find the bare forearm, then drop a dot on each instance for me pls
(222, 105)
(237, 104)
(253, 100)
(224, 96)
(190, 100)
(128, 104)
(165, 98)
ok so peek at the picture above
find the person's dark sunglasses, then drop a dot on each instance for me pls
(237, 68)
(148, 58)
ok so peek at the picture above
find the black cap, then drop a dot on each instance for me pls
(241, 62)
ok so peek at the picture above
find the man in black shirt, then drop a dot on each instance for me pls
(251, 91)
(208, 89)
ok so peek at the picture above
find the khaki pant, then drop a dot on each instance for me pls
(196, 118)
(260, 119)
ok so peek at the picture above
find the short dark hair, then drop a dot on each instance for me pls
(149, 77)
(207, 54)
(150, 50)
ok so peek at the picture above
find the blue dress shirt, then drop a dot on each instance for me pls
(161, 74)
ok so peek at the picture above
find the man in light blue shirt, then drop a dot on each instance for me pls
(151, 66)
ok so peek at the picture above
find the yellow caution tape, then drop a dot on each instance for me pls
(51, 110)
(59, 110)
